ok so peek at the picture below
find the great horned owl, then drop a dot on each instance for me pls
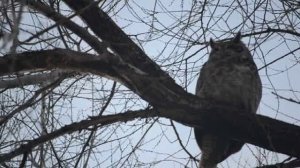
(230, 75)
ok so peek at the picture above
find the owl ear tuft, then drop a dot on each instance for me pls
(237, 37)
(212, 43)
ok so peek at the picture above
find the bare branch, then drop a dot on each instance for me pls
(99, 120)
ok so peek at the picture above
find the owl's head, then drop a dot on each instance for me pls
(225, 49)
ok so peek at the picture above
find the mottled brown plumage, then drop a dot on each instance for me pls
(230, 75)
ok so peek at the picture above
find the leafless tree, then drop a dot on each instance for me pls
(110, 83)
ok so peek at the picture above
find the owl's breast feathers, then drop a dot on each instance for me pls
(234, 81)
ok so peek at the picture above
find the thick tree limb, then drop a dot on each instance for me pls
(290, 164)
(109, 32)
(172, 103)
(34, 79)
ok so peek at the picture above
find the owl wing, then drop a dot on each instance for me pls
(202, 76)
(201, 79)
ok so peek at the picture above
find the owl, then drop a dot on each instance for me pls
(230, 76)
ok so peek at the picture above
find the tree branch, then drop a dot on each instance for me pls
(66, 22)
(171, 102)
(84, 124)
(34, 79)
(291, 164)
